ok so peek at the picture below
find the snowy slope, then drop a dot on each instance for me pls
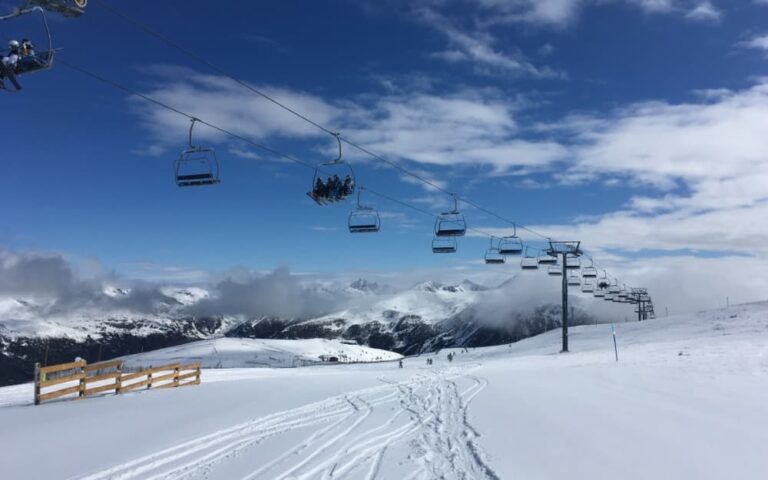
(688, 400)
(245, 353)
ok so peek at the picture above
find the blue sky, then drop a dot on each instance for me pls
(636, 126)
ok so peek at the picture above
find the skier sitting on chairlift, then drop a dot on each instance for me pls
(26, 49)
(348, 186)
(320, 188)
(9, 61)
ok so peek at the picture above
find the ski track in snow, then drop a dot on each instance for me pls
(420, 426)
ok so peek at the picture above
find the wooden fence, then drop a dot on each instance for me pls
(81, 379)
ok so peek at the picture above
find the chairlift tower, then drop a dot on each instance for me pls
(564, 250)
(644, 304)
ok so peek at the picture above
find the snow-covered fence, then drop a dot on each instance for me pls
(74, 378)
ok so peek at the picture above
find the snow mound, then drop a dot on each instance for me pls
(256, 353)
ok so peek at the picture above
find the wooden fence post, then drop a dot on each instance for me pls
(81, 393)
(149, 377)
(176, 372)
(37, 383)
(197, 376)
(118, 379)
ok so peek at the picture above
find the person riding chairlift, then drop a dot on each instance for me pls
(9, 61)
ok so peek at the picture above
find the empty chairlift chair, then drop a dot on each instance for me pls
(493, 255)
(572, 262)
(588, 287)
(444, 245)
(555, 270)
(197, 166)
(451, 224)
(547, 259)
(363, 219)
(529, 261)
(512, 245)
(588, 271)
(599, 293)
(574, 279)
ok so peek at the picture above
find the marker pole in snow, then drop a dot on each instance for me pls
(615, 347)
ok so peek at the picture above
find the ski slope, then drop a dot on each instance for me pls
(688, 400)
(253, 353)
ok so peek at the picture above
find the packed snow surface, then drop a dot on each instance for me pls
(245, 352)
(688, 399)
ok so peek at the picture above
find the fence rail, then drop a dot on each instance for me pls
(90, 378)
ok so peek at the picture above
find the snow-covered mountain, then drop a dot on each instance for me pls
(426, 316)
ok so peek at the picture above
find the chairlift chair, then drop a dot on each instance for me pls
(555, 270)
(197, 166)
(444, 245)
(529, 262)
(547, 259)
(325, 192)
(614, 289)
(574, 280)
(451, 224)
(36, 62)
(493, 255)
(363, 219)
(603, 282)
(599, 293)
(588, 287)
(572, 262)
(589, 271)
(511, 245)
(608, 297)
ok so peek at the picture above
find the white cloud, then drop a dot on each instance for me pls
(704, 12)
(220, 101)
(758, 42)
(477, 47)
(466, 127)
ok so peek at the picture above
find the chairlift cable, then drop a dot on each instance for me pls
(266, 148)
(150, 31)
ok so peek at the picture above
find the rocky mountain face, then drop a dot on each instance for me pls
(426, 317)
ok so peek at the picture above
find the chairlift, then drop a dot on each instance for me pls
(599, 293)
(444, 245)
(555, 270)
(340, 182)
(547, 259)
(68, 8)
(588, 287)
(603, 282)
(33, 61)
(529, 262)
(451, 224)
(589, 272)
(608, 297)
(572, 262)
(363, 219)
(623, 293)
(574, 280)
(197, 166)
(614, 289)
(493, 255)
(511, 245)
